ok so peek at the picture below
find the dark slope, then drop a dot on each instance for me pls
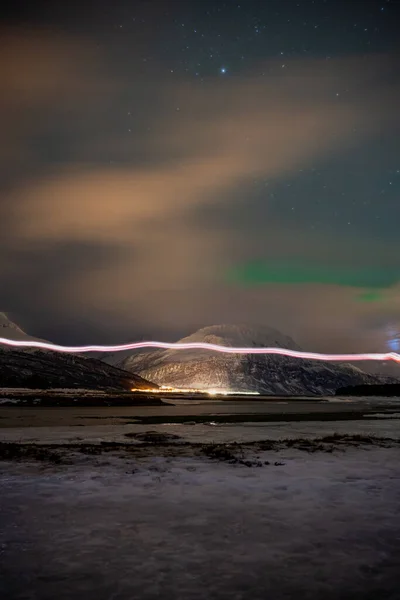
(43, 370)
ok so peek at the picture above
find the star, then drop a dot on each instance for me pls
(223, 70)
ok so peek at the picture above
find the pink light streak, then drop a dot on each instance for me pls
(379, 356)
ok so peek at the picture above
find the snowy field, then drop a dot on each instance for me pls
(192, 511)
(126, 526)
(386, 426)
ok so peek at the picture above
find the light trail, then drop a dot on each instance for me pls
(379, 356)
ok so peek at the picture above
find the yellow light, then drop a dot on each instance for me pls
(164, 389)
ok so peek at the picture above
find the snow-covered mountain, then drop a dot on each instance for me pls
(27, 367)
(266, 374)
(11, 331)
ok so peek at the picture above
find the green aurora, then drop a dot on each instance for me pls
(373, 281)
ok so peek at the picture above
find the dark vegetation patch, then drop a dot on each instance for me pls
(10, 451)
(359, 439)
(329, 443)
(165, 445)
(224, 452)
(153, 437)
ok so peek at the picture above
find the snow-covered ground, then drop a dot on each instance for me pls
(207, 433)
(182, 521)
(109, 527)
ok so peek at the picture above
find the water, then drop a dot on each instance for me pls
(210, 420)
(57, 416)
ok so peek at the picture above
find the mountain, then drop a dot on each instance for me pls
(40, 369)
(43, 370)
(11, 331)
(266, 374)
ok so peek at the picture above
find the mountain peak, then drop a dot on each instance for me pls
(9, 329)
(240, 335)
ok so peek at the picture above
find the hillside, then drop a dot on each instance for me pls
(12, 331)
(266, 374)
(40, 369)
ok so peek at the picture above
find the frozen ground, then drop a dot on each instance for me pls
(210, 432)
(200, 510)
(126, 526)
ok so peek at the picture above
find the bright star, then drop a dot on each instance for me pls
(223, 70)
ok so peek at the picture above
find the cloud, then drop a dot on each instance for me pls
(202, 141)
(47, 81)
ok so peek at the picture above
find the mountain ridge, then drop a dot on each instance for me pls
(44, 369)
(266, 374)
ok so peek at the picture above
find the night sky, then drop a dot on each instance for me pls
(151, 149)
